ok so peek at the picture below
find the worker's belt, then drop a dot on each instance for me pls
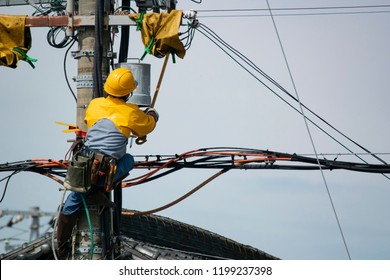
(88, 169)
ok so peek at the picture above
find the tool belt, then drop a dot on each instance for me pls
(89, 169)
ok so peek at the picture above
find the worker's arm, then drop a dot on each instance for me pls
(142, 123)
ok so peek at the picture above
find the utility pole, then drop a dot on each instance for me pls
(19, 215)
(87, 87)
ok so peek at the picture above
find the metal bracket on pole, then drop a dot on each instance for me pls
(85, 81)
(91, 53)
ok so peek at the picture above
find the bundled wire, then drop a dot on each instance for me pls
(56, 37)
(226, 158)
(240, 158)
(54, 33)
(220, 158)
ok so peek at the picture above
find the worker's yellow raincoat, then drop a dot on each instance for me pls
(128, 118)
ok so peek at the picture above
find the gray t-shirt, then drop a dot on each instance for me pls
(104, 137)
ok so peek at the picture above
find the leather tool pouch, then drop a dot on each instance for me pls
(96, 169)
(103, 171)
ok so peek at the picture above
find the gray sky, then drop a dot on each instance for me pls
(340, 65)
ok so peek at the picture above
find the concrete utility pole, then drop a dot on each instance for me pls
(86, 56)
(94, 231)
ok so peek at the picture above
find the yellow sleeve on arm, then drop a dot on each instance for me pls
(141, 124)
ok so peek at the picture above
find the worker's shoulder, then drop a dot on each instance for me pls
(113, 103)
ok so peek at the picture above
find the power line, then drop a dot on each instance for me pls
(298, 11)
(286, 15)
(236, 56)
(310, 136)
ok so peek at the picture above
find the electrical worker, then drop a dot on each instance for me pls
(110, 122)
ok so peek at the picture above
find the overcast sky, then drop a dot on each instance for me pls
(339, 61)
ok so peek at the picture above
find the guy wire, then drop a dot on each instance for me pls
(308, 131)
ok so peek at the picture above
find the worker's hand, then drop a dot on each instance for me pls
(152, 112)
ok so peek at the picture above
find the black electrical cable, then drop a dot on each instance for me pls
(8, 179)
(187, 36)
(98, 50)
(125, 37)
(52, 37)
(65, 72)
(303, 14)
(256, 68)
(264, 84)
(213, 37)
(296, 9)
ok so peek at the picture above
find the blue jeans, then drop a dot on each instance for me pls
(74, 202)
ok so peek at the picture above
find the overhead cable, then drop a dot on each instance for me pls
(204, 158)
(236, 56)
(297, 11)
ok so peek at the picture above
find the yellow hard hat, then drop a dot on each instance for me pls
(120, 82)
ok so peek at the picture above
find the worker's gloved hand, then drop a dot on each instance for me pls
(152, 112)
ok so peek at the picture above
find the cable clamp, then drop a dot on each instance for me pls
(86, 81)
(91, 53)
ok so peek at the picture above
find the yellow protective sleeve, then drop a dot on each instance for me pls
(13, 34)
(163, 28)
